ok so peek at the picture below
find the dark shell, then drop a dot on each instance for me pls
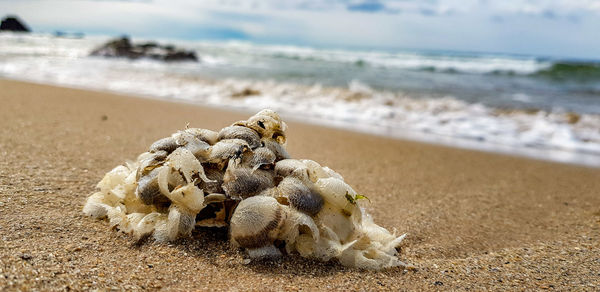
(186, 223)
(263, 237)
(168, 144)
(239, 132)
(300, 196)
(276, 148)
(147, 188)
(256, 222)
(243, 182)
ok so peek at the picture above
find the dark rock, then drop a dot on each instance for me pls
(12, 23)
(246, 92)
(149, 45)
(180, 55)
(123, 48)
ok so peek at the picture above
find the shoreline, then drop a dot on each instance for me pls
(542, 154)
(475, 220)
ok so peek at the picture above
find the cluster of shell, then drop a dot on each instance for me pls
(243, 178)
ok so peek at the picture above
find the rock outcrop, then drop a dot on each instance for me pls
(12, 23)
(123, 48)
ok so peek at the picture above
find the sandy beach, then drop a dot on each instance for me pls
(474, 220)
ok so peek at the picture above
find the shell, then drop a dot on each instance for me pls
(315, 171)
(147, 188)
(334, 191)
(261, 157)
(184, 161)
(268, 124)
(168, 144)
(256, 222)
(146, 225)
(242, 182)
(239, 132)
(188, 197)
(197, 147)
(214, 198)
(270, 113)
(208, 136)
(226, 149)
(291, 167)
(300, 196)
(275, 147)
(177, 224)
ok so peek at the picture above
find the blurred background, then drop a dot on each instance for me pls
(517, 76)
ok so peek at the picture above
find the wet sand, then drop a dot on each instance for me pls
(474, 220)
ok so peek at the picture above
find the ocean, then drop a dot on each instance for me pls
(542, 107)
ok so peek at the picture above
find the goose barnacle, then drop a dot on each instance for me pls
(268, 124)
(184, 161)
(242, 178)
(199, 148)
(259, 221)
(167, 144)
(300, 196)
(208, 136)
(239, 132)
(270, 113)
(261, 158)
(242, 182)
(256, 224)
(222, 151)
(275, 147)
(149, 161)
(316, 171)
(176, 224)
(291, 167)
(147, 187)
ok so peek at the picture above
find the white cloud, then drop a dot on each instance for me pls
(516, 26)
(531, 7)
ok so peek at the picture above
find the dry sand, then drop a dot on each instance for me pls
(475, 220)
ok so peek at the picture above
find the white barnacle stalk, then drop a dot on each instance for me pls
(242, 178)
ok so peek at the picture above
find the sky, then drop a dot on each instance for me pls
(562, 28)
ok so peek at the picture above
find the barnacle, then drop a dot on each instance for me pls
(260, 158)
(300, 196)
(275, 147)
(242, 182)
(242, 178)
(239, 132)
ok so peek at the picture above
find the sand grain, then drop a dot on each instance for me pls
(475, 220)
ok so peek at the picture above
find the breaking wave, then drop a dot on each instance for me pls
(556, 132)
(571, 71)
